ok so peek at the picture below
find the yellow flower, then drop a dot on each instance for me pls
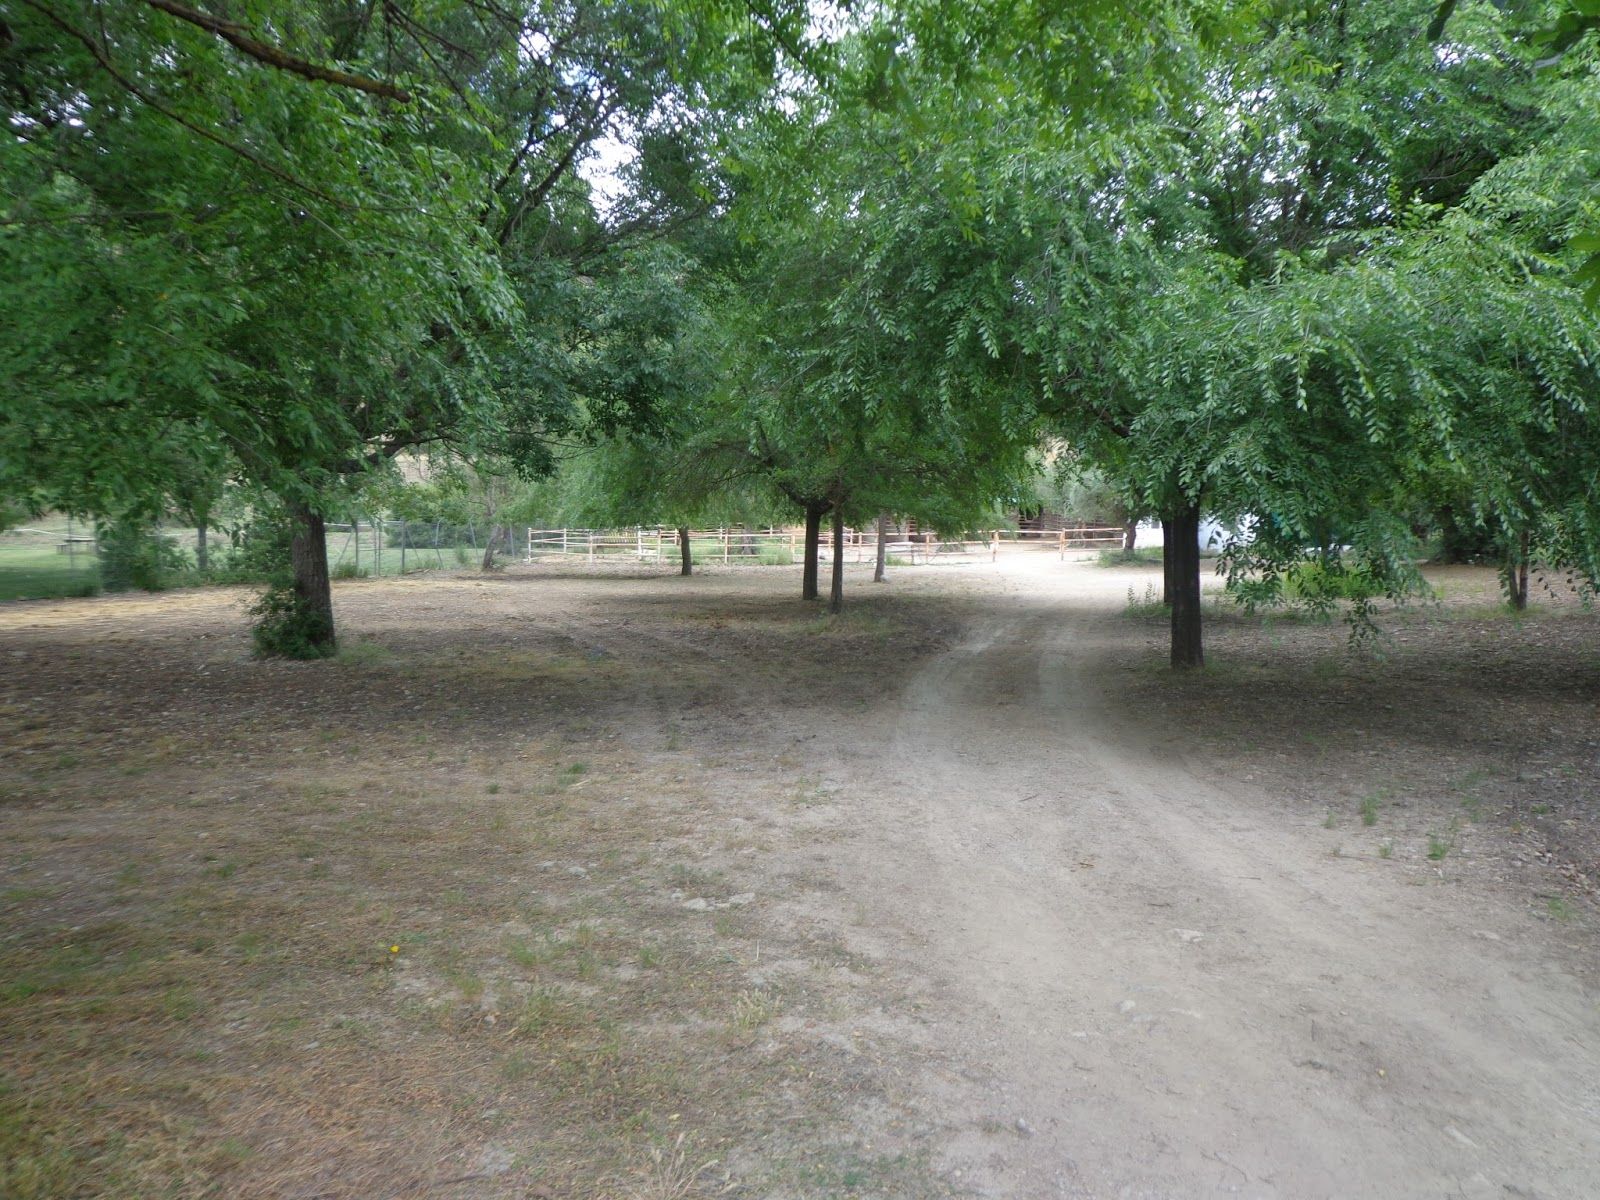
(394, 949)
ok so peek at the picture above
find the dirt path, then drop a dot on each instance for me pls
(564, 883)
(1129, 981)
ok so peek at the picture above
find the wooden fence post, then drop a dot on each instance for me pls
(591, 547)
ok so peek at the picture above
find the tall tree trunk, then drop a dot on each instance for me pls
(493, 536)
(308, 558)
(883, 544)
(1184, 582)
(1516, 573)
(808, 575)
(1130, 535)
(1522, 570)
(836, 595)
(1167, 536)
(685, 551)
(202, 545)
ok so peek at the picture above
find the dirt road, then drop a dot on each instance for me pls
(610, 886)
(1132, 982)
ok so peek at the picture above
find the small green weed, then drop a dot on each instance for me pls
(1386, 850)
(1439, 847)
(1149, 605)
(364, 654)
(1370, 803)
(542, 1012)
(753, 1009)
(1121, 558)
(1560, 909)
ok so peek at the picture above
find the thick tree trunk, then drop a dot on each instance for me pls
(883, 543)
(202, 545)
(308, 559)
(686, 551)
(1130, 535)
(836, 595)
(1166, 561)
(808, 575)
(1184, 583)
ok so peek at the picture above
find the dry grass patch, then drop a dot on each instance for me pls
(411, 921)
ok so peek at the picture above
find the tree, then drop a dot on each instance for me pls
(870, 372)
(1199, 350)
(323, 248)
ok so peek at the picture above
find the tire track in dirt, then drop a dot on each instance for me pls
(1133, 982)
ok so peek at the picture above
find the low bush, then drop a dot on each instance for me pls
(287, 627)
(135, 556)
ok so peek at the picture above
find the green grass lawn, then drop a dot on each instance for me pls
(35, 572)
(42, 573)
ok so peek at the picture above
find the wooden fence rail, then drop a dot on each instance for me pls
(770, 544)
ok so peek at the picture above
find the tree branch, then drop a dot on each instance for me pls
(273, 56)
(135, 90)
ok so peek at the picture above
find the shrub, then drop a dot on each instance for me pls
(1317, 582)
(1121, 558)
(260, 552)
(1312, 585)
(774, 555)
(286, 626)
(135, 556)
(426, 535)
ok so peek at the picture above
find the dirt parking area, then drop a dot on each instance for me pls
(558, 884)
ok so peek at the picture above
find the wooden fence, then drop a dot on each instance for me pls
(776, 545)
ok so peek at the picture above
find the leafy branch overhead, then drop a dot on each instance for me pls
(1303, 268)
